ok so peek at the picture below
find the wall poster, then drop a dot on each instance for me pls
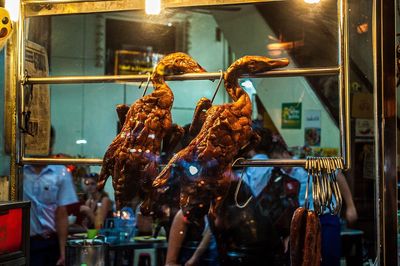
(291, 115)
(37, 99)
(312, 128)
(364, 128)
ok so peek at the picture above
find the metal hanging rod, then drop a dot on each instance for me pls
(66, 161)
(323, 71)
(270, 162)
(97, 161)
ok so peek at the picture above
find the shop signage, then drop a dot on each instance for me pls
(135, 62)
(291, 115)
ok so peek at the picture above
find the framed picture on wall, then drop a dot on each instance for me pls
(135, 62)
(364, 128)
(312, 136)
(134, 47)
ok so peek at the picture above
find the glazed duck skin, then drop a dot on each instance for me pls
(227, 129)
(132, 158)
(168, 195)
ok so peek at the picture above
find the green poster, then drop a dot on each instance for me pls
(291, 115)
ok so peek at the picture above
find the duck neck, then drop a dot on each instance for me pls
(234, 89)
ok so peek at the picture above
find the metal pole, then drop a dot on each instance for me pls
(344, 93)
(11, 86)
(385, 99)
(20, 87)
(13, 75)
(87, 161)
(98, 161)
(270, 163)
(192, 76)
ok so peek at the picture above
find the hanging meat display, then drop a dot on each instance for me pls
(167, 197)
(204, 165)
(305, 238)
(305, 230)
(132, 157)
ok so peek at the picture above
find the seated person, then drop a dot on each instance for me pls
(94, 197)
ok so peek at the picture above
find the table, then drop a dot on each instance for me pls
(123, 253)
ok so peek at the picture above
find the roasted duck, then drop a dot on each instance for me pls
(203, 166)
(167, 197)
(132, 158)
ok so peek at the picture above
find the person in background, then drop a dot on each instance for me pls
(50, 189)
(330, 224)
(270, 196)
(188, 244)
(191, 244)
(94, 199)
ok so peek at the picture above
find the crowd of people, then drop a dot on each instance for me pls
(251, 226)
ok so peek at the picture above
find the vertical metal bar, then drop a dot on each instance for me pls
(12, 72)
(21, 97)
(344, 103)
(377, 106)
(386, 127)
(21, 87)
(11, 51)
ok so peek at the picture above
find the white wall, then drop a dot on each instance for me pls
(249, 37)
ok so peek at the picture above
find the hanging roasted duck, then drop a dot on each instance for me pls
(168, 195)
(132, 158)
(204, 166)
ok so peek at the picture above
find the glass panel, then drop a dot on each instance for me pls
(84, 117)
(85, 120)
(361, 177)
(132, 42)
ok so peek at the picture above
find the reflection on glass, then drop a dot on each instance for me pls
(132, 43)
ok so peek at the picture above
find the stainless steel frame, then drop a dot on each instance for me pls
(194, 76)
(385, 103)
(95, 161)
(62, 7)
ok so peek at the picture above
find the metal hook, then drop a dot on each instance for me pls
(147, 84)
(237, 160)
(218, 85)
(241, 206)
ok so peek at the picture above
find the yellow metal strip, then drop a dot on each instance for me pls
(62, 7)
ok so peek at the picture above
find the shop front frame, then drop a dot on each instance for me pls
(384, 97)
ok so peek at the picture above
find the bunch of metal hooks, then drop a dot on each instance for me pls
(322, 172)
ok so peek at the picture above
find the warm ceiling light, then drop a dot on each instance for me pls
(153, 7)
(312, 1)
(12, 7)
